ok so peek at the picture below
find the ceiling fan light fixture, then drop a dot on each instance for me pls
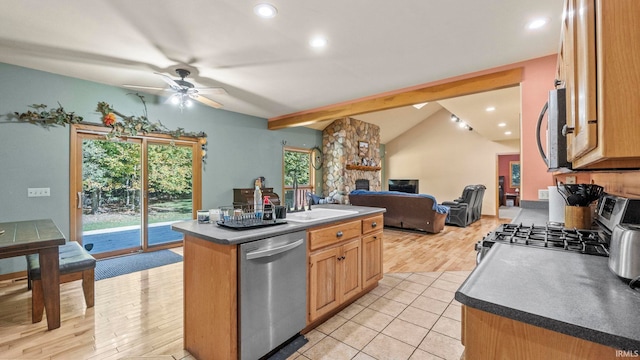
(175, 100)
(265, 10)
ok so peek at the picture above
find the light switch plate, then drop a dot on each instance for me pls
(570, 179)
(38, 192)
(543, 194)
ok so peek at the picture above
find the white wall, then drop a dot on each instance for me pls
(446, 158)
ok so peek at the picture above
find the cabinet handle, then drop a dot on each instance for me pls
(567, 130)
(79, 199)
(339, 234)
(374, 224)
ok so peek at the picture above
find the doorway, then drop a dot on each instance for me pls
(127, 192)
(508, 181)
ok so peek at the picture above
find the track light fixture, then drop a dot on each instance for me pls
(461, 124)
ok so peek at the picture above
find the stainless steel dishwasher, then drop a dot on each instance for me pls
(273, 289)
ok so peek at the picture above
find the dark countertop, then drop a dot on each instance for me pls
(528, 216)
(225, 236)
(570, 293)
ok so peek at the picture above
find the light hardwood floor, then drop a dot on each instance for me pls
(139, 315)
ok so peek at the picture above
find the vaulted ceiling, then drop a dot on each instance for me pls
(266, 66)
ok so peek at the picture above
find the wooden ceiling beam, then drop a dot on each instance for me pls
(493, 81)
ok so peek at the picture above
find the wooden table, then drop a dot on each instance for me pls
(42, 237)
(515, 197)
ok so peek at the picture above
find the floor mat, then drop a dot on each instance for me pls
(108, 268)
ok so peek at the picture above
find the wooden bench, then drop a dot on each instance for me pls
(75, 264)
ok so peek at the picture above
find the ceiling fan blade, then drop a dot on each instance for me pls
(205, 101)
(143, 87)
(213, 90)
(170, 81)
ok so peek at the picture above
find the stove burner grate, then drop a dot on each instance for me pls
(552, 237)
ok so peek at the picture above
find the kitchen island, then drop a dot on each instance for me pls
(343, 257)
(523, 302)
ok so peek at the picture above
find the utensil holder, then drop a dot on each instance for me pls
(578, 217)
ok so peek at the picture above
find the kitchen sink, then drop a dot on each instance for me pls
(318, 214)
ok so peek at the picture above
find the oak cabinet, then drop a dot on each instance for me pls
(334, 277)
(598, 66)
(344, 261)
(579, 27)
(371, 259)
(489, 336)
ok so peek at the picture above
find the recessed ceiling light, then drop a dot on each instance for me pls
(265, 10)
(419, 106)
(462, 124)
(491, 108)
(454, 118)
(507, 132)
(502, 124)
(537, 23)
(318, 42)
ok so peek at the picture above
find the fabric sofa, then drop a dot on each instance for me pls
(407, 211)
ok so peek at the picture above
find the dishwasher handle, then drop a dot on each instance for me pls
(273, 251)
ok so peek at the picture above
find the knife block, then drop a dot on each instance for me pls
(578, 217)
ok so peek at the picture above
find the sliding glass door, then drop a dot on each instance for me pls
(169, 189)
(126, 193)
(110, 198)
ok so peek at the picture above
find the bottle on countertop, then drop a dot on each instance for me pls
(257, 202)
(268, 209)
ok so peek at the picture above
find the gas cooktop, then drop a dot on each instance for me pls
(550, 237)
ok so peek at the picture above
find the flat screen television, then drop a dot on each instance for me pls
(404, 185)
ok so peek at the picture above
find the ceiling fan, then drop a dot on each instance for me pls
(184, 91)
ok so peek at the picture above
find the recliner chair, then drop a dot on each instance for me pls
(477, 205)
(461, 210)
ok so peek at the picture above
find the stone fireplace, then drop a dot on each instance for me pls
(351, 151)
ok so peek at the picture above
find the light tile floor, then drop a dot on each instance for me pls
(408, 316)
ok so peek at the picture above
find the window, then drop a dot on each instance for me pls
(297, 173)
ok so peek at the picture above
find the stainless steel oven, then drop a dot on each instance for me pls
(610, 211)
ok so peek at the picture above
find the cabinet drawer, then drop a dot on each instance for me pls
(372, 224)
(333, 234)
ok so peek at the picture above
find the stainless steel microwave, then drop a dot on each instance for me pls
(556, 152)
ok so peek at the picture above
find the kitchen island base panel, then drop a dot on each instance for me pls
(489, 336)
(209, 297)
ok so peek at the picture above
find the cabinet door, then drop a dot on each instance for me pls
(585, 126)
(568, 70)
(579, 53)
(371, 259)
(323, 281)
(350, 270)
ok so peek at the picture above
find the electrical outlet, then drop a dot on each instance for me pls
(38, 192)
(570, 179)
(543, 194)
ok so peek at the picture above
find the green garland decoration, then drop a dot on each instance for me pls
(126, 126)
